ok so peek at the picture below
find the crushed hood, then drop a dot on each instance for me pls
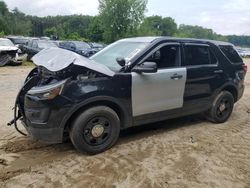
(8, 48)
(56, 59)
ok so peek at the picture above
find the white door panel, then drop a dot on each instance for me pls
(159, 91)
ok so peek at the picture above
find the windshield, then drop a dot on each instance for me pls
(6, 42)
(19, 40)
(126, 50)
(46, 44)
(81, 45)
(96, 45)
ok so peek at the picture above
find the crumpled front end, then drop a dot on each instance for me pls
(44, 100)
(8, 56)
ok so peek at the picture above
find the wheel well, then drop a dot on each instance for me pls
(233, 91)
(109, 104)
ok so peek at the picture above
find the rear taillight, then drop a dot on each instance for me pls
(244, 68)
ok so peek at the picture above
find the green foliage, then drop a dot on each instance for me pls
(189, 31)
(95, 30)
(158, 26)
(19, 23)
(195, 32)
(50, 32)
(4, 26)
(121, 18)
(2, 34)
(243, 41)
(75, 36)
(3, 8)
(60, 26)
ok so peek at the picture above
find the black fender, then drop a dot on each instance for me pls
(124, 114)
(228, 86)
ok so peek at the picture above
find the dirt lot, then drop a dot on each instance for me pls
(188, 152)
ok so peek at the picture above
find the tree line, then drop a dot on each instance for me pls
(116, 19)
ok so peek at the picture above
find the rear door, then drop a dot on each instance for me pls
(204, 76)
(163, 90)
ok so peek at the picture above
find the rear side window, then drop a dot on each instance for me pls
(231, 54)
(34, 44)
(198, 55)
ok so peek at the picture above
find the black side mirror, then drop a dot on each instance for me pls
(121, 61)
(146, 67)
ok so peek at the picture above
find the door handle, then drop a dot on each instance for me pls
(218, 71)
(176, 77)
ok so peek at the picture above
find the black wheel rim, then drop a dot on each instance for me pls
(101, 124)
(224, 108)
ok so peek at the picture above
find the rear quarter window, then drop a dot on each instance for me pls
(231, 54)
(198, 55)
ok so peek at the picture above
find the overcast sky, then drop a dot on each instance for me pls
(223, 16)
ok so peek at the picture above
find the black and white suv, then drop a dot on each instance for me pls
(131, 82)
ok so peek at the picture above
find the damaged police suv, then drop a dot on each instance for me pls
(131, 82)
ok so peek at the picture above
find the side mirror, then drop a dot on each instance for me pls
(146, 67)
(121, 61)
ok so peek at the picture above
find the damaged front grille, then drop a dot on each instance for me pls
(6, 57)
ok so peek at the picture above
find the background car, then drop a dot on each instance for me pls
(57, 42)
(8, 53)
(18, 40)
(97, 46)
(81, 48)
(243, 52)
(36, 45)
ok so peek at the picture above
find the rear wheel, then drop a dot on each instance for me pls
(95, 130)
(222, 107)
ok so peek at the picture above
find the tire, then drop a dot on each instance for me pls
(222, 108)
(95, 130)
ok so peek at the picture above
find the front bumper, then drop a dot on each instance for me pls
(43, 133)
(43, 118)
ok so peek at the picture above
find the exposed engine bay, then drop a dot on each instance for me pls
(39, 77)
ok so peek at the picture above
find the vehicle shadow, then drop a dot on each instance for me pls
(142, 131)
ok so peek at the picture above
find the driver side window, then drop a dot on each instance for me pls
(166, 57)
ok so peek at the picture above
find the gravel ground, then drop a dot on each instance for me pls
(186, 152)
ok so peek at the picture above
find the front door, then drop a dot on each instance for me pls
(161, 91)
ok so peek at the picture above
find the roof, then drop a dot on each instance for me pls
(140, 39)
(4, 39)
(152, 39)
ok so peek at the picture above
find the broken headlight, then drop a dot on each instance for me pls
(49, 91)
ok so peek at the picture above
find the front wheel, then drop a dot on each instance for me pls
(222, 107)
(95, 130)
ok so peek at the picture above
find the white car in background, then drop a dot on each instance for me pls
(244, 52)
(8, 53)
